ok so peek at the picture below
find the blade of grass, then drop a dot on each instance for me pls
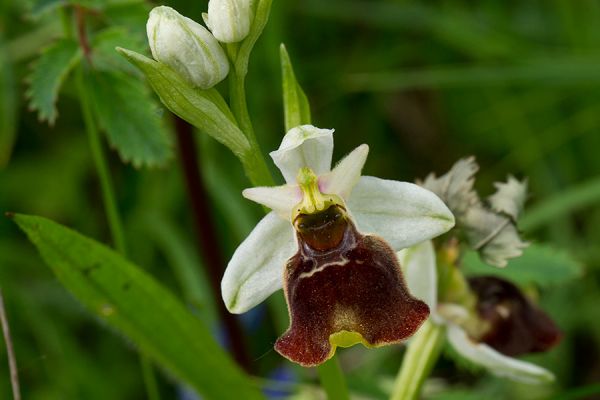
(565, 71)
(12, 360)
(332, 380)
(561, 204)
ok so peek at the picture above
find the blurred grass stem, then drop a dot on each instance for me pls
(332, 379)
(12, 360)
(421, 354)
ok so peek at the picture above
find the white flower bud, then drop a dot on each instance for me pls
(187, 47)
(229, 20)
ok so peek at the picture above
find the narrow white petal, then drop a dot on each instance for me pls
(346, 173)
(256, 268)
(304, 146)
(280, 199)
(497, 363)
(402, 213)
(418, 265)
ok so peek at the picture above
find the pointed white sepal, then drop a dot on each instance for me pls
(346, 173)
(256, 268)
(497, 363)
(280, 199)
(403, 213)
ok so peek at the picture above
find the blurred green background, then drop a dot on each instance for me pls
(517, 84)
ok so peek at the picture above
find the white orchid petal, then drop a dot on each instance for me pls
(304, 146)
(497, 363)
(402, 213)
(418, 265)
(280, 199)
(346, 173)
(256, 268)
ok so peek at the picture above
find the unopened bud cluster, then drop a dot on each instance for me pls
(192, 50)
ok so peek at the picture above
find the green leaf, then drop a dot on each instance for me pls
(130, 301)
(48, 75)
(130, 117)
(205, 109)
(541, 265)
(41, 7)
(105, 57)
(8, 106)
(295, 104)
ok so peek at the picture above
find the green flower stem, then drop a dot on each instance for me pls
(239, 54)
(237, 99)
(332, 380)
(254, 162)
(421, 354)
(110, 206)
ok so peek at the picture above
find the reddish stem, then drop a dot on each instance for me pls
(207, 236)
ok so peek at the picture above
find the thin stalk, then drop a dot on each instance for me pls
(332, 380)
(108, 196)
(421, 354)
(12, 360)
(238, 103)
(206, 234)
(110, 206)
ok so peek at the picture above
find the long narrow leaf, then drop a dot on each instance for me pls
(295, 103)
(133, 303)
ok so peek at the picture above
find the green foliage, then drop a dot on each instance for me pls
(48, 75)
(205, 109)
(129, 116)
(295, 102)
(133, 303)
(424, 84)
(540, 265)
(106, 58)
(40, 7)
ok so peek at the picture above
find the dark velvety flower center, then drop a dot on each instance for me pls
(516, 325)
(340, 285)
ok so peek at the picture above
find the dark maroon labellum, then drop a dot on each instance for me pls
(516, 326)
(340, 280)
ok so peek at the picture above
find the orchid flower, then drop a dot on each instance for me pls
(329, 241)
(487, 326)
